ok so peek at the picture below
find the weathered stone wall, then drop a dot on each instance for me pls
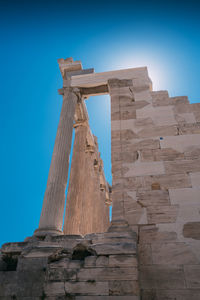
(96, 267)
(156, 185)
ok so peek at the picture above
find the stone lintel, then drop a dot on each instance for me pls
(101, 79)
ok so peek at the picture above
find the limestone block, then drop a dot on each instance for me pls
(182, 166)
(162, 214)
(197, 116)
(183, 294)
(193, 128)
(192, 230)
(185, 197)
(185, 118)
(173, 253)
(195, 106)
(195, 179)
(87, 288)
(102, 261)
(31, 263)
(145, 255)
(142, 144)
(13, 247)
(128, 247)
(115, 125)
(54, 289)
(90, 261)
(148, 198)
(158, 131)
(162, 277)
(160, 98)
(192, 276)
(122, 261)
(144, 168)
(143, 95)
(127, 134)
(173, 181)
(61, 263)
(61, 274)
(103, 274)
(180, 142)
(149, 294)
(151, 234)
(123, 287)
(136, 214)
(192, 152)
(133, 183)
(107, 297)
(182, 108)
(162, 115)
(160, 154)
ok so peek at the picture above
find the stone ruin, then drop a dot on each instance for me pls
(151, 249)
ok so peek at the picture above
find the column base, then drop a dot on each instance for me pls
(47, 231)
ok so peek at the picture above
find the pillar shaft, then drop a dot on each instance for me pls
(51, 219)
(85, 208)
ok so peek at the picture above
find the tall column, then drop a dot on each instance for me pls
(86, 201)
(51, 219)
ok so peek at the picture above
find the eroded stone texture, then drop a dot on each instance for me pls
(88, 198)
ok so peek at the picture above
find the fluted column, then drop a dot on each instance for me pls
(51, 219)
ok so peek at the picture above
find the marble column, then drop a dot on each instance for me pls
(51, 219)
(86, 208)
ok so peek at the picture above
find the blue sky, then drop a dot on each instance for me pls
(106, 35)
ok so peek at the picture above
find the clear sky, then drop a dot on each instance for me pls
(106, 35)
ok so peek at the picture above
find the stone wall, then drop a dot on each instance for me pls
(96, 267)
(156, 185)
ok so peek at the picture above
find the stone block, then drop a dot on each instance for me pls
(185, 196)
(121, 287)
(133, 183)
(182, 108)
(192, 153)
(195, 179)
(128, 247)
(192, 230)
(158, 131)
(90, 287)
(183, 294)
(161, 116)
(90, 261)
(31, 263)
(173, 253)
(61, 274)
(185, 118)
(142, 144)
(192, 276)
(180, 142)
(168, 181)
(161, 155)
(122, 261)
(162, 277)
(54, 289)
(144, 168)
(151, 234)
(149, 294)
(102, 261)
(157, 197)
(162, 214)
(182, 166)
(145, 255)
(107, 297)
(104, 274)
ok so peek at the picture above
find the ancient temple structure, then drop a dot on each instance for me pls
(151, 248)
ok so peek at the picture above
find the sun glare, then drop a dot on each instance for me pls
(156, 67)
